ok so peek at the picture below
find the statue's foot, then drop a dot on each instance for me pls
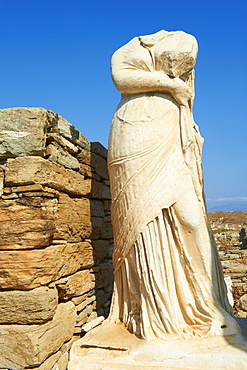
(225, 325)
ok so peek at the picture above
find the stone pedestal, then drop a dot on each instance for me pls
(111, 346)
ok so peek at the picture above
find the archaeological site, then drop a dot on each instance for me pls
(107, 256)
(56, 244)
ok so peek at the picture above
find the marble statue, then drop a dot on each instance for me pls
(170, 307)
(168, 277)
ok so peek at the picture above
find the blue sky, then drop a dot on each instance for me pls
(56, 54)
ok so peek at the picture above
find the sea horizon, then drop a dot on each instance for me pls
(227, 204)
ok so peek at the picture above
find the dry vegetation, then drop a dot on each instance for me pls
(229, 217)
(226, 226)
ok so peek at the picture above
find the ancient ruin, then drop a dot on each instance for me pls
(55, 238)
(170, 307)
(229, 232)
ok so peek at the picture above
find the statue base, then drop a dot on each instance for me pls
(111, 347)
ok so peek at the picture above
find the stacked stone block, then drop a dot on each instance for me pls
(56, 243)
(234, 263)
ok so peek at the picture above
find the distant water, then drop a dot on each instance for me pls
(227, 204)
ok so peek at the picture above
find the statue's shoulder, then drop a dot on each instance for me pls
(132, 46)
(133, 43)
(186, 37)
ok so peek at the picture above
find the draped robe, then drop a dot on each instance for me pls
(168, 277)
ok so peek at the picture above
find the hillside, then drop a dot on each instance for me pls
(226, 226)
(229, 217)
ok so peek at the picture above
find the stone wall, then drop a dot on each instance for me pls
(227, 227)
(55, 237)
(234, 263)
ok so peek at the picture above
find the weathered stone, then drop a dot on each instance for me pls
(242, 286)
(97, 227)
(22, 131)
(106, 182)
(78, 300)
(82, 317)
(102, 297)
(28, 269)
(243, 302)
(44, 194)
(48, 241)
(233, 256)
(88, 188)
(85, 303)
(244, 259)
(23, 346)
(110, 251)
(31, 170)
(107, 205)
(28, 234)
(10, 196)
(105, 192)
(241, 313)
(58, 241)
(66, 346)
(61, 126)
(96, 208)
(26, 223)
(236, 271)
(108, 288)
(89, 173)
(100, 249)
(234, 266)
(1, 180)
(107, 303)
(92, 324)
(84, 156)
(105, 275)
(28, 307)
(73, 221)
(66, 144)
(99, 149)
(75, 285)
(31, 190)
(107, 218)
(97, 190)
(133, 354)
(100, 165)
(23, 189)
(57, 154)
(93, 315)
(62, 363)
(106, 231)
(100, 312)
(50, 362)
(78, 330)
(234, 275)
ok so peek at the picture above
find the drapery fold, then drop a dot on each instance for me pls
(168, 277)
(149, 176)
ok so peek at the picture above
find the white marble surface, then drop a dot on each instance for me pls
(111, 346)
(168, 276)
